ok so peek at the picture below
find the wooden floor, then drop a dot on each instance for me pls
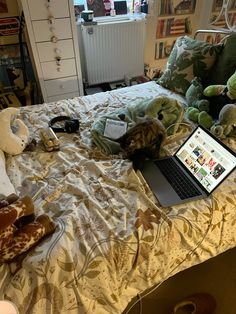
(216, 276)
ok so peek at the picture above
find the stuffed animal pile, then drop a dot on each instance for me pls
(19, 229)
(213, 107)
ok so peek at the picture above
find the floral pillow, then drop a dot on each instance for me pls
(188, 58)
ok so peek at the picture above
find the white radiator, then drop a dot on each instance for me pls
(113, 50)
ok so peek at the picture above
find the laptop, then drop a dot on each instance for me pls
(196, 169)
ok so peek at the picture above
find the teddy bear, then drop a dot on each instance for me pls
(19, 229)
(206, 104)
(14, 134)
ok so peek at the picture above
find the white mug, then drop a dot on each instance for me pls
(87, 15)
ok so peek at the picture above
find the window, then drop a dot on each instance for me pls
(102, 7)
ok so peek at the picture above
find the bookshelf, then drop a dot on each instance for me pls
(174, 20)
(223, 14)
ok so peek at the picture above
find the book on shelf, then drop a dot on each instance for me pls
(166, 7)
(173, 27)
(232, 5)
(221, 22)
(214, 39)
(184, 6)
(163, 49)
(217, 5)
(169, 7)
(218, 22)
(232, 19)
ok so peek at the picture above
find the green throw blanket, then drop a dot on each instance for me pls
(168, 109)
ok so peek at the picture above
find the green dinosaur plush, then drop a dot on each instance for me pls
(211, 100)
(194, 95)
(200, 117)
(197, 105)
(226, 125)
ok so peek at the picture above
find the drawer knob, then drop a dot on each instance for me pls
(58, 61)
(57, 51)
(54, 39)
(61, 86)
(51, 19)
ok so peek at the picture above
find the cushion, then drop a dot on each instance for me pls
(225, 64)
(189, 58)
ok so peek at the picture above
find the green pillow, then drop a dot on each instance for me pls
(188, 58)
(225, 64)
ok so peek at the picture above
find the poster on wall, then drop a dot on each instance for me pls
(3, 6)
(97, 6)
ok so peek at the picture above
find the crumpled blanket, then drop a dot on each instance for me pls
(169, 110)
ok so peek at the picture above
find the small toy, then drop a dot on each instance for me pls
(205, 105)
(14, 133)
(19, 230)
(49, 139)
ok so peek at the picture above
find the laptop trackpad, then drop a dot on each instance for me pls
(159, 185)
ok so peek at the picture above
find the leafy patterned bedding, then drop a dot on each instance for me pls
(113, 240)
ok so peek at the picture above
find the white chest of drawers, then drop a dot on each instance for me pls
(54, 44)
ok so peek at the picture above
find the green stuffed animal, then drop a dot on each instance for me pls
(226, 125)
(194, 95)
(205, 108)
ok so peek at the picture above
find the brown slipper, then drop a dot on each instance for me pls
(199, 303)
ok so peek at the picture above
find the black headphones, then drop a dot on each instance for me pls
(71, 125)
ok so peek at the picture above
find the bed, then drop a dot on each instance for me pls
(113, 240)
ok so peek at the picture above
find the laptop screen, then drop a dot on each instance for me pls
(206, 158)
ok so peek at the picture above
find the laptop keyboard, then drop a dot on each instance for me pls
(178, 180)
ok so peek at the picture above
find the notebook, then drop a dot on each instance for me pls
(196, 169)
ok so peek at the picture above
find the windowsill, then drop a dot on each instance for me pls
(117, 19)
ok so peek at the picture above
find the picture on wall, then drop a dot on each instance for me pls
(3, 6)
(97, 6)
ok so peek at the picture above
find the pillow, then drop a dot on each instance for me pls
(225, 65)
(188, 58)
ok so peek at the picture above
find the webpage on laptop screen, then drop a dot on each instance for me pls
(207, 160)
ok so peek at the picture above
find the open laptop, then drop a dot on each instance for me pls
(202, 162)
